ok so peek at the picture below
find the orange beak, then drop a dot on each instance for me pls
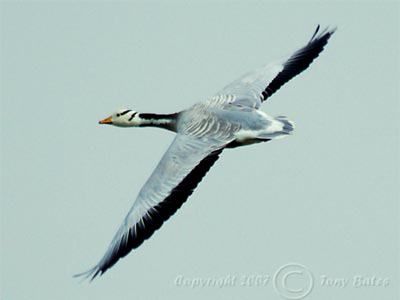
(107, 120)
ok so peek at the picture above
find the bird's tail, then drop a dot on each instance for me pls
(281, 127)
(288, 126)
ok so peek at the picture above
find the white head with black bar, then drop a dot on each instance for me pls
(131, 118)
(123, 118)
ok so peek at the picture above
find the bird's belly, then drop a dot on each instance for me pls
(247, 137)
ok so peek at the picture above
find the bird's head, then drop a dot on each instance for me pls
(122, 118)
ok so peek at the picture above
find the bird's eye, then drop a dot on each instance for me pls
(118, 115)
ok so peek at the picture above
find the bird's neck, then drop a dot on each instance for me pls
(166, 121)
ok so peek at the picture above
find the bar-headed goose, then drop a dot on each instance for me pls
(228, 119)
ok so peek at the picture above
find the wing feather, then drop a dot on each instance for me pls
(177, 175)
(258, 85)
(299, 61)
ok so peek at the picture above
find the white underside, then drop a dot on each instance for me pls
(275, 130)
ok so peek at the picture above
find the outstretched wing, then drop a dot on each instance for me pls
(178, 173)
(257, 86)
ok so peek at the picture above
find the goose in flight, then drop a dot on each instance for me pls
(229, 119)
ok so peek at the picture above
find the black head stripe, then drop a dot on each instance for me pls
(133, 115)
(124, 112)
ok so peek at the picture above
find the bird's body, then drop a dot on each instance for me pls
(229, 119)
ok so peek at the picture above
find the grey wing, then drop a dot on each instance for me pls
(178, 173)
(255, 87)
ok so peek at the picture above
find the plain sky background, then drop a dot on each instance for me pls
(326, 197)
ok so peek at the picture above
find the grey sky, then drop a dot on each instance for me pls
(326, 197)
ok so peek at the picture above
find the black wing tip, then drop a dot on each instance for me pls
(300, 60)
(89, 274)
(324, 34)
(161, 213)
